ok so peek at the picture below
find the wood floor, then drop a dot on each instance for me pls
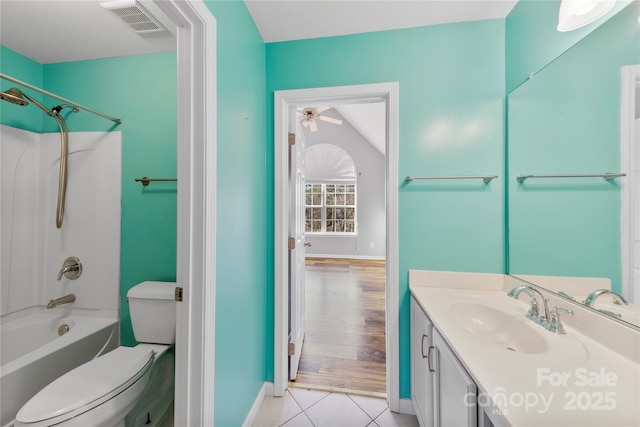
(344, 346)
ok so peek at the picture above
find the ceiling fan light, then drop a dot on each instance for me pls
(575, 14)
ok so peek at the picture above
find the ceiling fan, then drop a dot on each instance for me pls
(309, 116)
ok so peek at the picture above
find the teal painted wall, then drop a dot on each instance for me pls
(121, 87)
(242, 253)
(451, 81)
(28, 71)
(532, 40)
(141, 90)
(567, 120)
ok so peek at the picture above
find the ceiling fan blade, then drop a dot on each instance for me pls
(319, 110)
(330, 120)
(313, 127)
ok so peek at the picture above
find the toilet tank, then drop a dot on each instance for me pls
(152, 307)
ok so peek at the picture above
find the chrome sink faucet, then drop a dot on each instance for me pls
(550, 320)
(617, 298)
(534, 312)
(554, 324)
(62, 300)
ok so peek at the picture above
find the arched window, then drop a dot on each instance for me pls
(330, 191)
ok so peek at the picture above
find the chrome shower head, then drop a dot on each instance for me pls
(14, 96)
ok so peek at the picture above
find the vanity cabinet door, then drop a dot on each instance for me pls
(455, 392)
(421, 377)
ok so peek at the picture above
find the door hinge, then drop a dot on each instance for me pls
(292, 243)
(292, 138)
(178, 294)
(292, 349)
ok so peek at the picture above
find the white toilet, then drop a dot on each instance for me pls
(136, 383)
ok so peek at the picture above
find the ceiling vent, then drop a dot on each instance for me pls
(135, 16)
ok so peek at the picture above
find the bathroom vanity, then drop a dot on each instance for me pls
(478, 358)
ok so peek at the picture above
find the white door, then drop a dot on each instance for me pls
(296, 248)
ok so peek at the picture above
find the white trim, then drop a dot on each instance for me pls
(365, 257)
(335, 95)
(196, 209)
(251, 416)
(406, 407)
(628, 146)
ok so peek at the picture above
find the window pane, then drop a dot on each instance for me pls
(339, 226)
(340, 213)
(350, 213)
(307, 226)
(351, 199)
(350, 227)
(340, 200)
(316, 213)
(317, 226)
(329, 226)
(330, 213)
(317, 201)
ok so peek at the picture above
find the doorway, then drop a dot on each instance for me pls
(284, 102)
(630, 163)
(344, 348)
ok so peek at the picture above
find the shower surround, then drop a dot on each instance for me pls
(33, 251)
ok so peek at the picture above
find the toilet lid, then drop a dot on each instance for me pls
(87, 384)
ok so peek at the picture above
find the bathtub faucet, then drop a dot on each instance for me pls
(62, 300)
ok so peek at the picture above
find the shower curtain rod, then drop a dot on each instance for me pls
(59, 98)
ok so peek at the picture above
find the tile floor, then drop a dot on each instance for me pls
(301, 408)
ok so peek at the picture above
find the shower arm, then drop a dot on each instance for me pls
(59, 98)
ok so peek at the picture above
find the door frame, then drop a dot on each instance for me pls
(630, 81)
(283, 100)
(196, 209)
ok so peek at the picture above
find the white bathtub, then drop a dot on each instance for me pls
(32, 353)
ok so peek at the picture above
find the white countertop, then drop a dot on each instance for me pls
(568, 380)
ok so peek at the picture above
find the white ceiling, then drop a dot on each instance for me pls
(50, 31)
(280, 20)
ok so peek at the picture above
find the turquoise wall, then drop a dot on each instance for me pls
(147, 106)
(242, 253)
(567, 120)
(28, 71)
(532, 39)
(141, 90)
(451, 80)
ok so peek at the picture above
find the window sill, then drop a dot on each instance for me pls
(331, 234)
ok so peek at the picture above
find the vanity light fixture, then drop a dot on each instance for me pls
(575, 14)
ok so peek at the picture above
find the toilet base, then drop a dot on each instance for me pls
(158, 396)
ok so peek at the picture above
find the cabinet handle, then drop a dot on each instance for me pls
(422, 346)
(429, 359)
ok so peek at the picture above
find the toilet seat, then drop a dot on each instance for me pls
(88, 386)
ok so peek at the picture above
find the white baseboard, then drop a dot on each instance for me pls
(406, 407)
(370, 257)
(265, 390)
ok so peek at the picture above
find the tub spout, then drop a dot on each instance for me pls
(62, 300)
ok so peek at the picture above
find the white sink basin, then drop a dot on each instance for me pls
(498, 328)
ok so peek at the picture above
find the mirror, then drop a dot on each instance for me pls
(565, 232)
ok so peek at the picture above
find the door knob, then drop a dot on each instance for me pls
(307, 244)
